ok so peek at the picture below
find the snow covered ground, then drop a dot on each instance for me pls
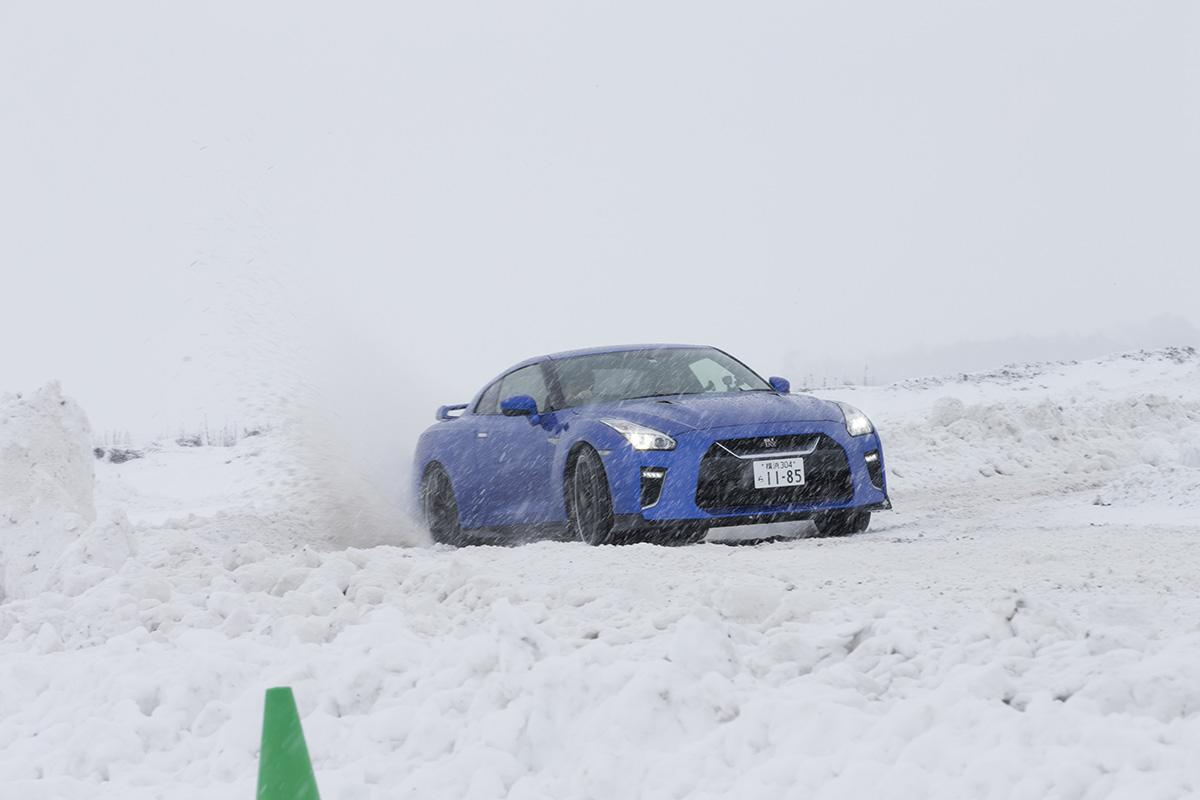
(1026, 623)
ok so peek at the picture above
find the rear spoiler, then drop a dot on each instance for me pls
(443, 412)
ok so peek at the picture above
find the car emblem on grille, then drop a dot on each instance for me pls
(770, 442)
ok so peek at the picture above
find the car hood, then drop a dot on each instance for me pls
(676, 415)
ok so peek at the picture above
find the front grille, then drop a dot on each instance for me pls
(726, 482)
(767, 446)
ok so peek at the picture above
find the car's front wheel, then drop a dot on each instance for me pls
(589, 502)
(440, 508)
(842, 523)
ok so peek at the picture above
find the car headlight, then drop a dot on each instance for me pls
(857, 423)
(639, 436)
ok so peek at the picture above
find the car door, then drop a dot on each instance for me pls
(467, 456)
(517, 454)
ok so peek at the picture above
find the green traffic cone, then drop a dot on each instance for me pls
(284, 769)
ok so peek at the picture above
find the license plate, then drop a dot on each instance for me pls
(778, 472)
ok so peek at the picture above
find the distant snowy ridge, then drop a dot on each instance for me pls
(1024, 371)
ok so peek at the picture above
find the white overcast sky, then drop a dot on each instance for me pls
(204, 203)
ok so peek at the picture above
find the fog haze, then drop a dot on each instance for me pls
(210, 209)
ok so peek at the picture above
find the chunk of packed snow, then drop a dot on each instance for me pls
(47, 485)
(46, 462)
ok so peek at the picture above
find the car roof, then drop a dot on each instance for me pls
(616, 348)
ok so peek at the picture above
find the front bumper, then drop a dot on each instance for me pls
(676, 502)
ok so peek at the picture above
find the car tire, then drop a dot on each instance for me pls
(440, 508)
(589, 501)
(842, 523)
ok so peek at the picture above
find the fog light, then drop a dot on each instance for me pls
(874, 468)
(652, 483)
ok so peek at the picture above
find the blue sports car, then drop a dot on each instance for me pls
(649, 441)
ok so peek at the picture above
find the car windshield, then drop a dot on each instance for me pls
(664, 372)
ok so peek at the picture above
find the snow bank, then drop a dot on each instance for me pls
(1045, 430)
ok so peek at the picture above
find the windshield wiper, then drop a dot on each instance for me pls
(660, 394)
(682, 394)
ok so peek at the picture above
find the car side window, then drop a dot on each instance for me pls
(527, 380)
(489, 401)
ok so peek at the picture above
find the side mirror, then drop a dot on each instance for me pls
(447, 412)
(519, 405)
(781, 385)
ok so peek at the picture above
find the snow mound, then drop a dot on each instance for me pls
(1145, 485)
(1128, 422)
(46, 462)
